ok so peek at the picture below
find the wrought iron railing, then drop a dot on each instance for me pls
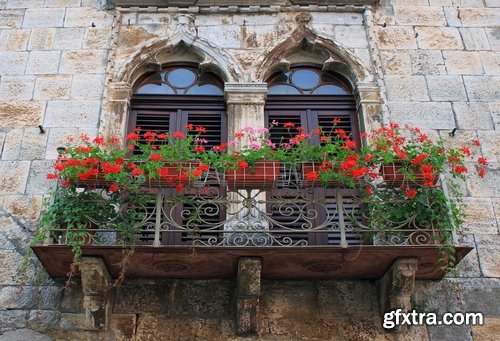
(291, 213)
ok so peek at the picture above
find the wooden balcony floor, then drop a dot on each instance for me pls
(147, 262)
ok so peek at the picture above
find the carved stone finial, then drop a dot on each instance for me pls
(303, 19)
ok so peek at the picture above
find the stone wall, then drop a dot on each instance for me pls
(68, 67)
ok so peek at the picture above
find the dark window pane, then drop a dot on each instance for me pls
(329, 90)
(283, 90)
(208, 90)
(153, 89)
(181, 78)
(305, 79)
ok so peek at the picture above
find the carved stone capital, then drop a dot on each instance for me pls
(245, 93)
(95, 287)
(397, 285)
(119, 91)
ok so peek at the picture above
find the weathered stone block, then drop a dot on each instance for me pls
(396, 38)
(43, 319)
(83, 62)
(62, 3)
(492, 3)
(26, 207)
(12, 146)
(228, 36)
(427, 62)
(13, 297)
(491, 62)
(396, 62)
(24, 334)
(157, 18)
(426, 115)
(495, 114)
(439, 38)
(123, 326)
(72, 299)
(81, 113)
(474, 39)
(446, 88)
(13, 63)
(479, 217)
(473, 115)
(52, 87)
(43, 62)
(496, 207)
(43, 17)
(12, 319)
(288, 299)
(450, 333)
(343, 298)
(261, 36)
(469, 265)
(487, 187)
(97, 38)
(493, 38)
(14, 40)
(490, 145)
(37, 181)
(57, 138)
(481, 17)
(24, 3)
(420, 16)
(49, 297)
(481, 294)
(85, 17)
(11, 18)
(17, 114)
(411, 88)
(68, 38)
(87, 86)
(70, 321)
(489, 331)
(463, 63)
(488, 248)
(482, 88)
(42, 39)
(142, 297)
(13, 176)
(351, 36)
(340, 18)
(202, 298)
(17, 87)
(9, 271)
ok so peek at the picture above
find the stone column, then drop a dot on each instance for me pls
(114, 118)
(369, 105)
(245, 105)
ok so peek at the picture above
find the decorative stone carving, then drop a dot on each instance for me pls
(95, 287)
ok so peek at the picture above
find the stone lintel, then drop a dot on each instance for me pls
(95, 287)
(248, 294)
(397, 285)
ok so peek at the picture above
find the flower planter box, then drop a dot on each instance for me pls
(175, 174)
(308, 167)
(265, 174)
(394, 177)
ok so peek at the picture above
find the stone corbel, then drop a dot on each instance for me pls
(95, 287)
(397, 285)
(248, 295)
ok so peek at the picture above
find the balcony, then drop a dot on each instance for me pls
(299, 229)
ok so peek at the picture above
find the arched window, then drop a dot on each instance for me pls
(169, 100)
(178, 95)
(311, 98)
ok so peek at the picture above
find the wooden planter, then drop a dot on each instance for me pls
(394, 177)
(264, 174)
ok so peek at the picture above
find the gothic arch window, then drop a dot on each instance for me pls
(168, 100)
(177, 95)
(310, 97)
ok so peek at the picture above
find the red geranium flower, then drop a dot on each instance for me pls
(312, 176)
(52, 176)
(243, 165)
(178, 135)
(411, 193)
(156, 157)
(113, 188)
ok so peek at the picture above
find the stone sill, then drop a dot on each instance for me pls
(147, 262)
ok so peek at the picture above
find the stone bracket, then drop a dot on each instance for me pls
(248, 295)
(397, 285)
(95, 287)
